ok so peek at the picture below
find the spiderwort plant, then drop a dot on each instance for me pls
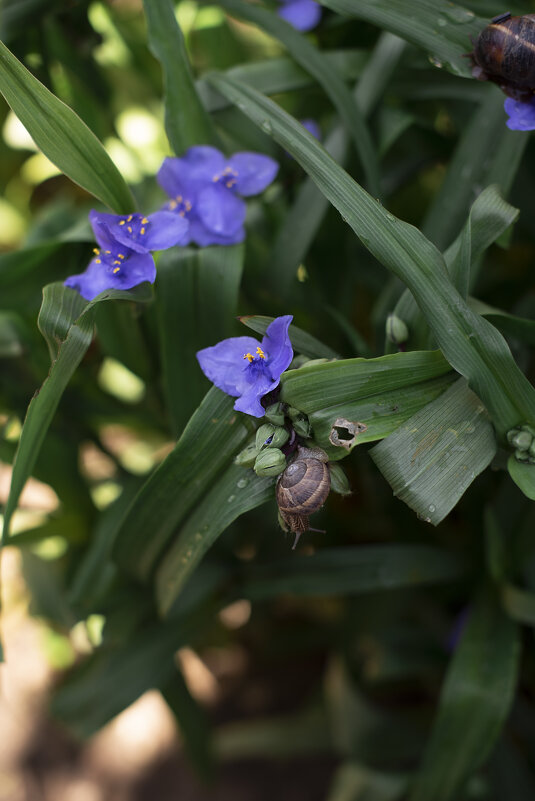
(123, 258)
(206, 189)
(303, 15)
(245, 369)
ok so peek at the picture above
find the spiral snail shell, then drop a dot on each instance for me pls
(504, 52)
(303, 488)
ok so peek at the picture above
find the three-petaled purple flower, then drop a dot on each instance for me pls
(521, 115)
(247, 370)
(204, 188)
(303, 15)
(123, 258)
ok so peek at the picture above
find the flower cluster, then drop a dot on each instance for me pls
(247, 370)
(206, 208)
(301, 14)
(521, 114)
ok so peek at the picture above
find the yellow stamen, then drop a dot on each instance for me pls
(248, 356)
(98, 261)
(96, 251)
(120, 256)
(142, 231)
(173, 204)
(116, 270)
(261, 352)
(122, 222)
(130, 218)
(144, 221)
(129, 229)
(116, 262)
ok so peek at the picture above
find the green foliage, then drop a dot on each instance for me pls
(401, 639)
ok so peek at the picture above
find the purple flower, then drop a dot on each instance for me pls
(244, 369)
(301, 14)
(122, 259)
(204, 188)
(521, 115)
(312, 127)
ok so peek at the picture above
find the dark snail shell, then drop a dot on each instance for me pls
(303, 487)
(504, 52)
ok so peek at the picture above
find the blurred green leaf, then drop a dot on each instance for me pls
(441, 28)
(207, 445)
(351, 571)
(186, 121)
(66, 321)
(355, 782)
(474, 703)
(302, 341)
(61, 135)
(305, 54)
(471, 345)
(235, 492)
(523, 474)
(11, 335)
(432, 459)
(197, 298)
(519, 603)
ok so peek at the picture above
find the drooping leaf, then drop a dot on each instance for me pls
(61, 135)
(431, 460)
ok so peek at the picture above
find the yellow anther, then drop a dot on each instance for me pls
(142, 231)
(129, 229)
(173, 204)
(96, 250)
(179, 198)
(116, 261)
(120, 256)
(261, 352)
(248, 356)
(187, 205)
(98, 261)
(130, 218)
(107, 252)
(122, 222)
(116, 270)
(144, 221)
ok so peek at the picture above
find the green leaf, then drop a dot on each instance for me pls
(439, 27)
(432, 459)
(519, 604)
(11, 335)
(237, 491)
(302, 341)
(472, 346)
(197, 296)
(523, 475)
(355, 782)
(305, 54)
(475, 700)
(210, 440)
(522, 328)
(61, 135)
(351, 571)
(66, 320)
(186, 121)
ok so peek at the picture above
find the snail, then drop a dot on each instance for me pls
(504, 52)
(302, 489)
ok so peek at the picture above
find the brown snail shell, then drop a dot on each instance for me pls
(504, 52)
(302, 488)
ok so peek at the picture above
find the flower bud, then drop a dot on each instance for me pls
(396, 330)
(522, 456)
(270, 462)
(264, 435)
(339, 480)
(522, 440)
(280, 437)
(247, 457)
(275, 414)
(301, 425)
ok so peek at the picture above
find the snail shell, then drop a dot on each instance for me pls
(504, 52)
(303, 488)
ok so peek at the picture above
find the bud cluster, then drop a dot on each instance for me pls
(522, 439)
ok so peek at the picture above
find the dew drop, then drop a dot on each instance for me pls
(231, 498)
(442, 22)
(459, 15)
(432, 508)
(242, 483)
(435, 61)
(390, 217)
(266, 126)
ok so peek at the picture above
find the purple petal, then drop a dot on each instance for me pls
(220, 210)
(100, 229)
(224, 364)
(165, 229)
(303, 15)
(276, 343)
(203, 237)
(203, 162)
(98, 276)
(521, 115)
(175, 179)
(254, 172)
(249, 402)
(312, 127)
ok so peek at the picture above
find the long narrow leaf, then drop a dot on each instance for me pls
(61, 135)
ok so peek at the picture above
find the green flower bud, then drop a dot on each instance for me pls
(532, 448)
(512, 434)
(270, 462)
(298, 361)
(275, 414)
(522, 440)
(280, 438)
(529, 429)
(339, 480)
(522, 456)
(247, 457)
(264, 433)
(396, 330)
